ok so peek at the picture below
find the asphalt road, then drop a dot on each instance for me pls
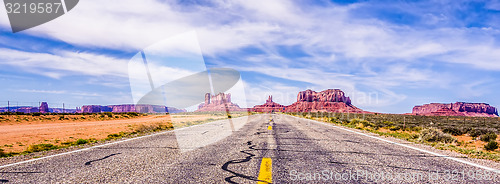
(277, 148)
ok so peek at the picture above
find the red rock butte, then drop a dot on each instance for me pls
(269, 106)
(330, 100)
(456, 109)
(219, 102)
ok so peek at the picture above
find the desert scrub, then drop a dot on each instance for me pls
(492, 145)
(132, 114)
(479, 131)
(40, 147)
(108, 114)
(153, 128)
(488, 137)
(362, 123)
(435, 135)
(82, 141)
(454, 131)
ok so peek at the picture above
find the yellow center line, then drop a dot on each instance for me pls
(265, 173)
(269, 127)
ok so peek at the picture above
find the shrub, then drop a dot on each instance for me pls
(492, 145)
(477, 132)
(435, 135)
(387, 123)
(36, 114)
(114, 136)
(144, 128)
(488, 137)
(109, 114)
(133, 113)
(394, 128)
(365, 123)
(40, 147)
(453, 131)
(82, 141)
(416, 128)
(332, 120)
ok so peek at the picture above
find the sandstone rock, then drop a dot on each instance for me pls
(456, 109)
(173, 110)
(330, 100)
(27, 109)
(219, 102)
(44, 107)
(269, 106)
(91, 109)
(329, 95)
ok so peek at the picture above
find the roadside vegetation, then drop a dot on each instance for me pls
(473, 136)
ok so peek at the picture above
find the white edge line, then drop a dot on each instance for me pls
(408, 146)
(103, 145)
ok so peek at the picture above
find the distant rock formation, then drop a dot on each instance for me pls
(130, 108)
(91, 109)
(330, 100)
(44, 107)
(219, 102)
(329, 95)
(269, 106)
(456, 109)
(27, 109)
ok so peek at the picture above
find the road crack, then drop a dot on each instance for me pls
(225, 167)
(89, 162)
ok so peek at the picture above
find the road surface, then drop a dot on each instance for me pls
(261, 148)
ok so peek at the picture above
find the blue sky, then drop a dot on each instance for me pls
(388, 56)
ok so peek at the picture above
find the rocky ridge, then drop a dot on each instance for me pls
(456, 109)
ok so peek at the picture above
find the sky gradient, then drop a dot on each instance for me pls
(388, 56)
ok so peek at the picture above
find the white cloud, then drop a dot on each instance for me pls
(64, 63)
(59, 92)
(228, 26)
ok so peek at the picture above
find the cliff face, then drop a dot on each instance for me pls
(44, 107)
(329, 95)
(331, 100)
(456, 109)
(91, 108)
(269, 106)
(219, 102)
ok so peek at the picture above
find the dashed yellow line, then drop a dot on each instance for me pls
(265, 173)
(269, 127)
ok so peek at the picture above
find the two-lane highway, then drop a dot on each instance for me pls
(260, 148)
